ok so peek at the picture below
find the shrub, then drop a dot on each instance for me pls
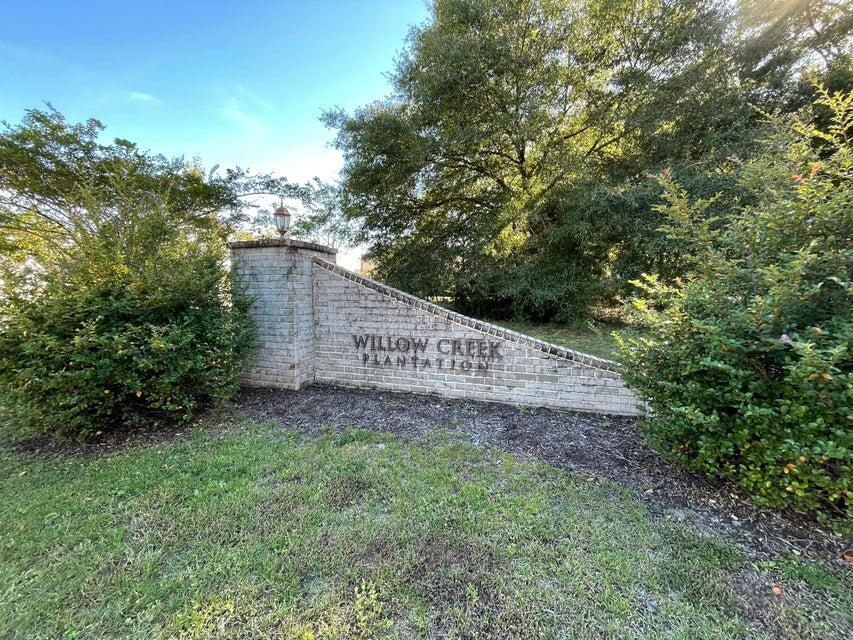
(134, 322)
(115, 305)
(745, 360)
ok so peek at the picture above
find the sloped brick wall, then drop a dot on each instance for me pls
(318, 322)
(370, 335)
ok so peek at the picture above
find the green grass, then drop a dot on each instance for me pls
(256, 533)
(594, 338)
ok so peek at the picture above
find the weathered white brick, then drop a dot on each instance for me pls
(307, 310)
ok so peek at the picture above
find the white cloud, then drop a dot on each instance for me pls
(255, 99)
(241, 107)
(236, 113)
(143, 98)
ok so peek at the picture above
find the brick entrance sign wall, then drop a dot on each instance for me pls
(318, 322)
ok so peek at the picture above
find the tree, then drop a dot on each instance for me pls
(776, 36)
(510, 166)
(504, 114)
(59, 184)
(325, 221)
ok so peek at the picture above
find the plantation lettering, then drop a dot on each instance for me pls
(451, 354)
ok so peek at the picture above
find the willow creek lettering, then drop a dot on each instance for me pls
(451, 354)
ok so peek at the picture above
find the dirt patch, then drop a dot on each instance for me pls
(346, 492)
(780, 610)
(609, 447)
(460, 578)
(143, 524)
(451, 572)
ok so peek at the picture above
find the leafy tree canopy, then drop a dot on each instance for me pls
(323, 219)
(510, 165)
(60, 184)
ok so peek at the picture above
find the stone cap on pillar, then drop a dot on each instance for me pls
(281, 242)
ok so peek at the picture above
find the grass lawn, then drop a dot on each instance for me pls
(594, 338)
(256, 532)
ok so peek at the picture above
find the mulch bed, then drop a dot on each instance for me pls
(599, 446)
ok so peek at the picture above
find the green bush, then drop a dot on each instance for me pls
(746, 360)
(115, 304)
(136, 321)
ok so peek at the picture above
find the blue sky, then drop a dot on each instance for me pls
(233, 83)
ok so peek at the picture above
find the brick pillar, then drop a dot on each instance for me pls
(278, 275)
